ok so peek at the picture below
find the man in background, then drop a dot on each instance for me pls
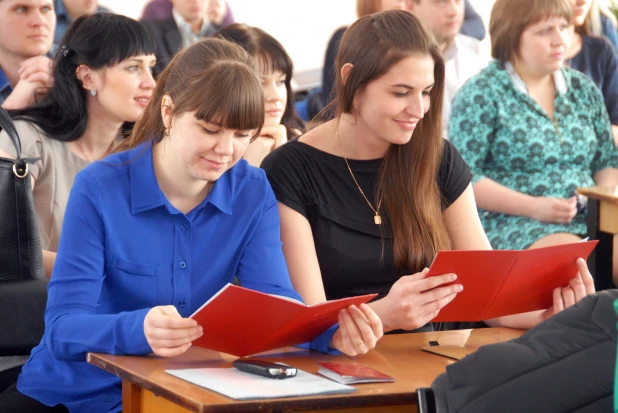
(463, 55)
(26, 37)
(69, 10)
(189, 22)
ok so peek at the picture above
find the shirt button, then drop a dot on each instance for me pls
(181, 303)
(182, 264)
(184, 227)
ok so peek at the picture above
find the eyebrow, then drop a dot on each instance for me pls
(411, 87)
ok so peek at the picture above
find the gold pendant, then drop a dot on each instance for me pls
(377, 219)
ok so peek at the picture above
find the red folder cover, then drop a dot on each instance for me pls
(498, 283)
(242, 322)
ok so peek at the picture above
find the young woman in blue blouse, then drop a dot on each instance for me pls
(532, 130)
(153, 232)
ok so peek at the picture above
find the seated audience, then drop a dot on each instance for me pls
(462, 54)
(180, 190)
(95, 91)
(67, 11)
(367, 200)
(162, 9)
(188, 22)
(275, 69)
(26, 36)
(595, 57)
(532, 130)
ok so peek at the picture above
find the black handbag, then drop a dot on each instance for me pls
(21, 257)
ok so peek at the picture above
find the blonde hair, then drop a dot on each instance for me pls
(592, 25)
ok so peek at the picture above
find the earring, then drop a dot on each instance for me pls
(93, 92)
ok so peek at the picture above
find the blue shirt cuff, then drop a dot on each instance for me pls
(321, 342)
(135, 332)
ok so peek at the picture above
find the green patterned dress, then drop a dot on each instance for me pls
(504, 135)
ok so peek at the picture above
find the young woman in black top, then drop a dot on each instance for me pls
(371, 196)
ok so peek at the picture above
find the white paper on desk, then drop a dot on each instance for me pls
(240, 385)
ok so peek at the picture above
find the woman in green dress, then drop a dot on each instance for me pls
(532, 130)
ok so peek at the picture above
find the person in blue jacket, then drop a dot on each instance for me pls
(153, 231)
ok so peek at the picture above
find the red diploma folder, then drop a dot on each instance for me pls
(498, 283)
(242, 322)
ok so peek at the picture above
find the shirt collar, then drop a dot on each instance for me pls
(559, 80)
(451, 50)
(186, 31)
(145, 191)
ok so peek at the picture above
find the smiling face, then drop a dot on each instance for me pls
(124, 89)
(542, 46)
(204, 150)
(390, 107)
(26, 27)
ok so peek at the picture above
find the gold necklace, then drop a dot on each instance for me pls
(377, 218)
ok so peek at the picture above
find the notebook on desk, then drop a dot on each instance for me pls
(239, 385)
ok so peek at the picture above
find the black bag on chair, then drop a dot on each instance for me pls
(21, 257)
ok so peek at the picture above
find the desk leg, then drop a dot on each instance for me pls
(131, 397)
(600, 260)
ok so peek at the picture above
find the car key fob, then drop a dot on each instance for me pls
(265, 368)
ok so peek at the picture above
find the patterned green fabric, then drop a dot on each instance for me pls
(504, 135)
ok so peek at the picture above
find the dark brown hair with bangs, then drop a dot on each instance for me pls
(273, 57)
(215, 79)
(408, 177)
(509, 19)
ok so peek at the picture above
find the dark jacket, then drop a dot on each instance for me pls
(565, 364)
(168, 39)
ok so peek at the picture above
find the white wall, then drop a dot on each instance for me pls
(303, 27)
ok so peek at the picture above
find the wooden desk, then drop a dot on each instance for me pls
(147, 388)
(602, 225)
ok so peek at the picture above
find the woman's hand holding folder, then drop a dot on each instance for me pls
(168, 333)
(578, 288)
(414, 300)
(359, 330)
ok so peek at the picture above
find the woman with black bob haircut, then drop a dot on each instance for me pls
(102, 83)
(281, 121)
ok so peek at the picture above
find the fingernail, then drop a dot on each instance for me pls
(459, 288)
(453, 277)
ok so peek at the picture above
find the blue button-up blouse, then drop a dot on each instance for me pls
(125, 249)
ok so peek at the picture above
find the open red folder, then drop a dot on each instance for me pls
(498, 283)
(241, 322)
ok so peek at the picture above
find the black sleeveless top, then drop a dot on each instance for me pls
(348, 243)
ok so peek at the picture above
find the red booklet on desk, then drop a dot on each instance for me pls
(241, 322)
(498, 283)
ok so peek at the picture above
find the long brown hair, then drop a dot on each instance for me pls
(214, 78)
(408, 177)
